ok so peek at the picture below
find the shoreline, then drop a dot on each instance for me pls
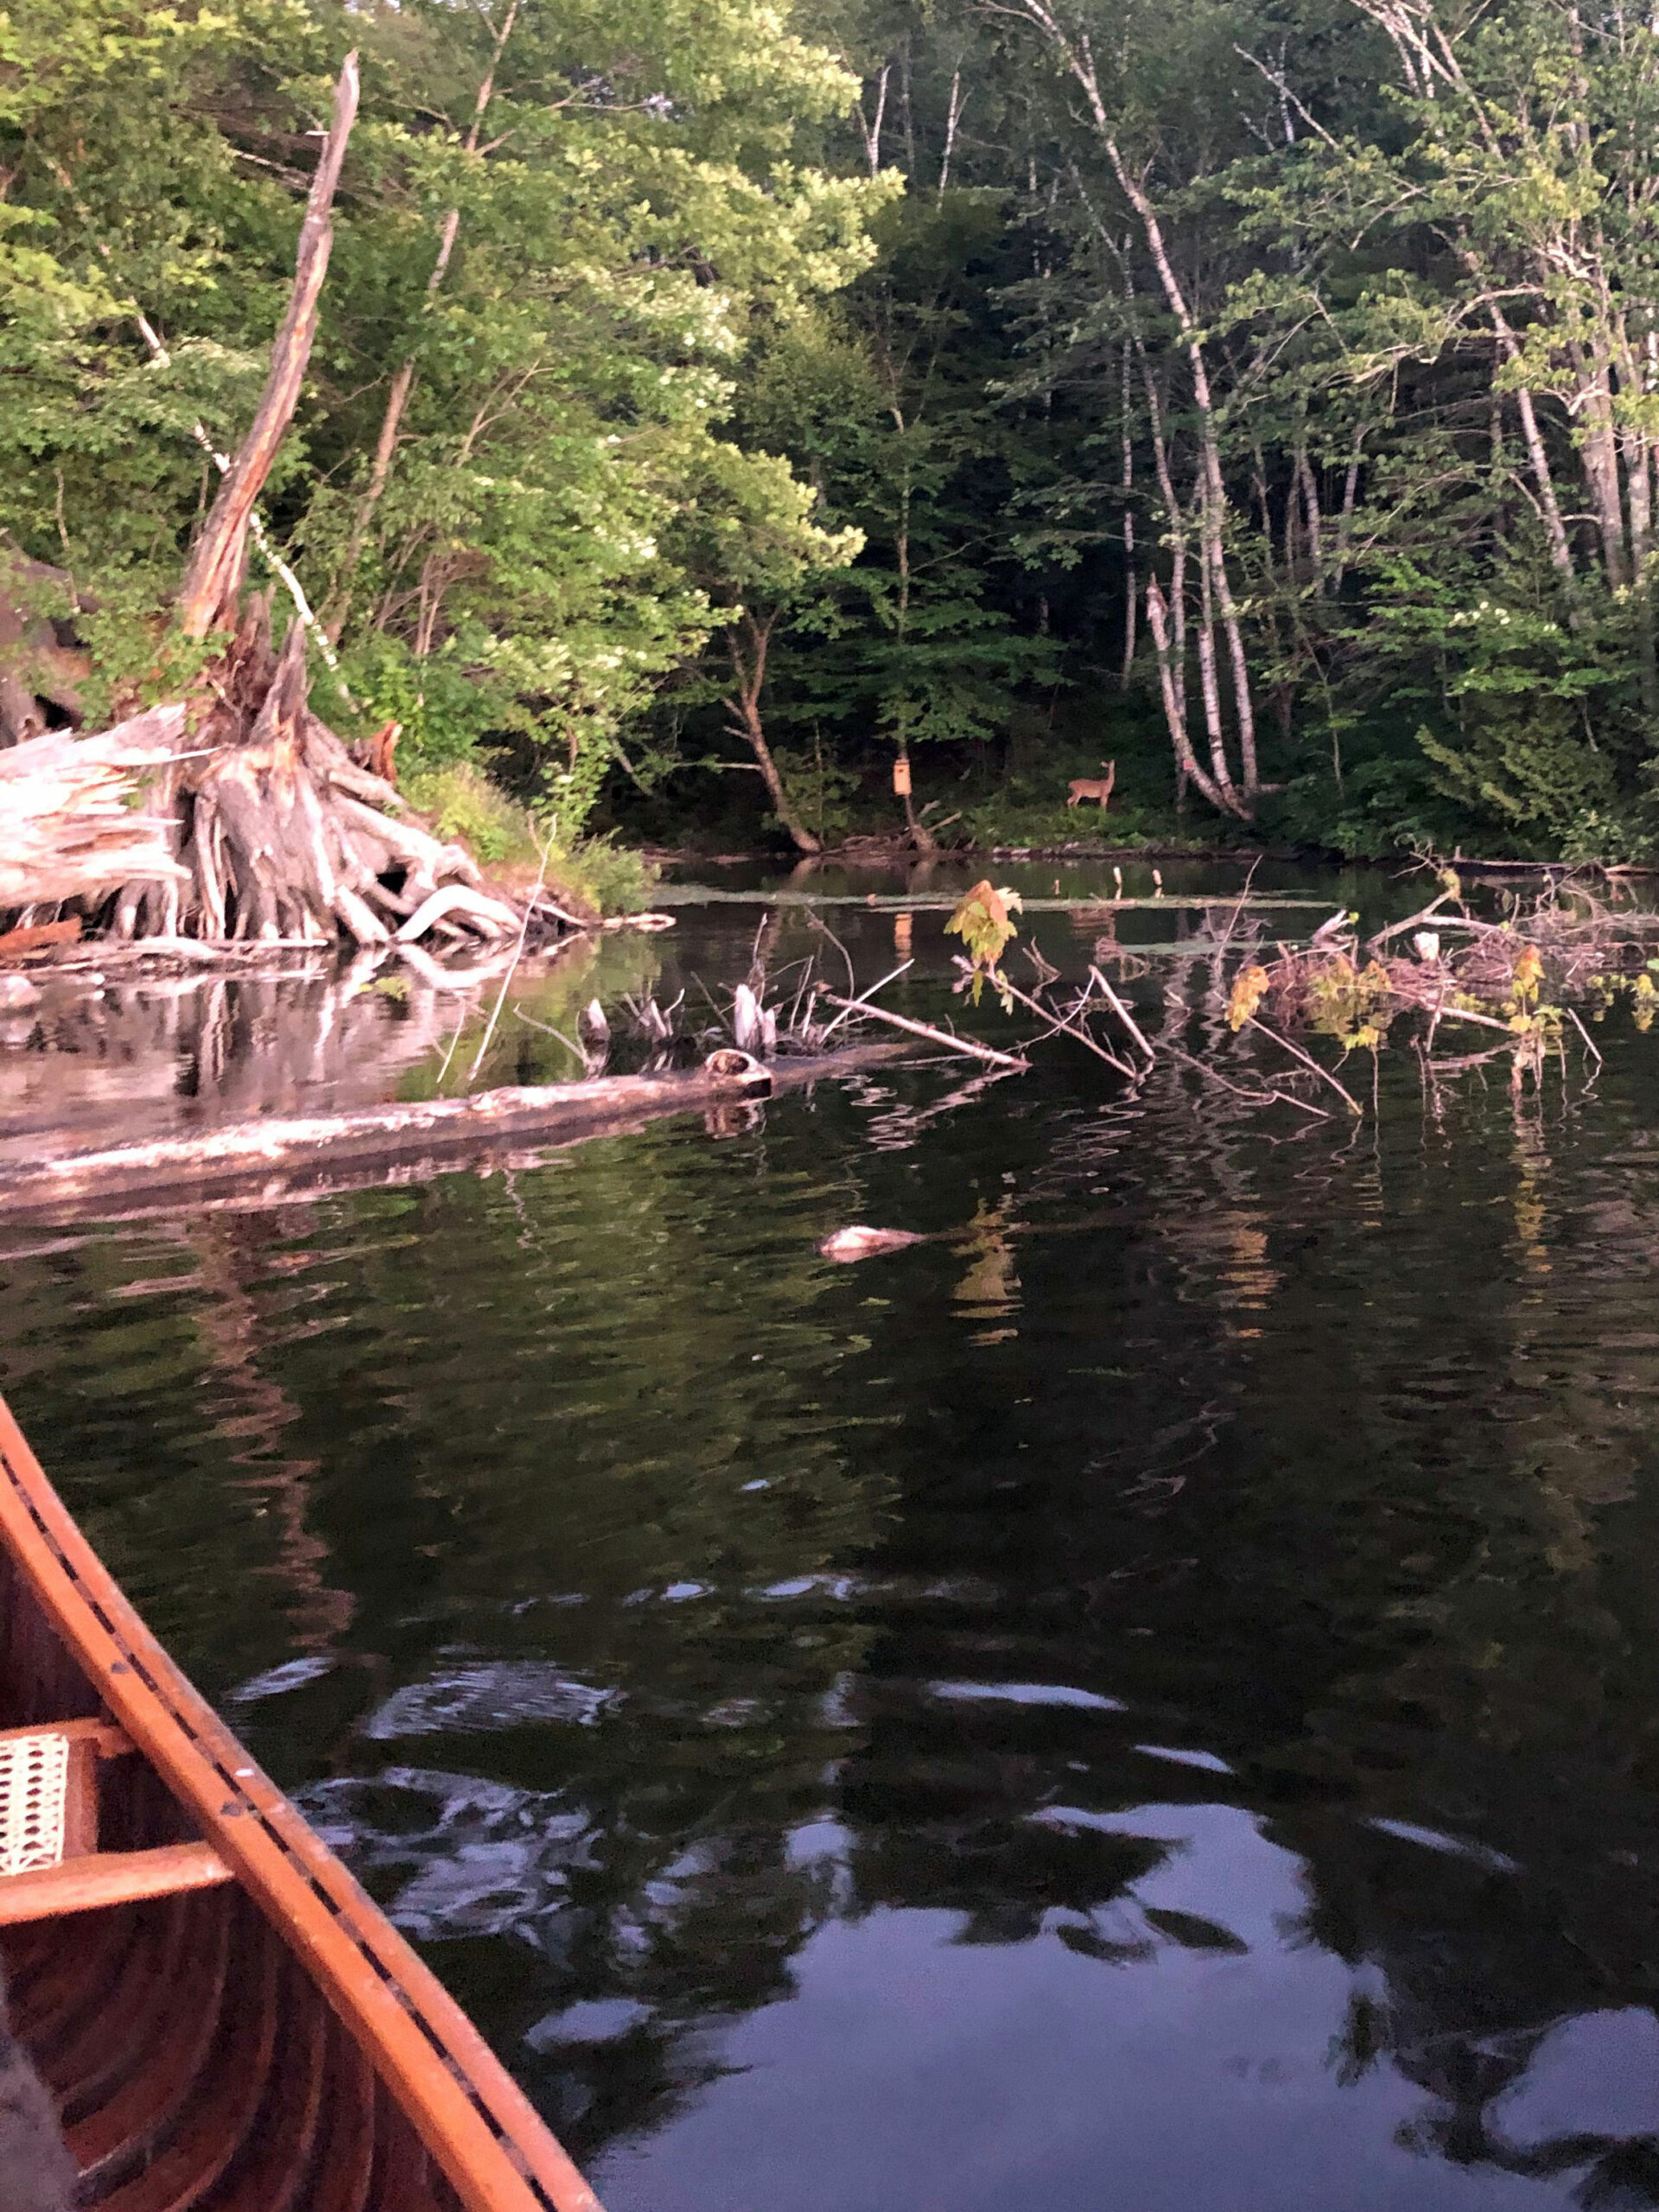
(865, 853)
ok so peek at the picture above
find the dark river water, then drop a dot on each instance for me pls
(1147, 1700)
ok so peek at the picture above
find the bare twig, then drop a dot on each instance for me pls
(968, 1045)
(816, 922)
(1307, 1061)
(1071, 1027)
(548, 1029)
(1466, 1013)
(864, 996)
(444, 1071)
(1250, 1098)
(1585, 1034)
(1121, 1012)
(517, 954)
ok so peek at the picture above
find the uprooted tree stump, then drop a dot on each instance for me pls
(234, 813)
(240, 816)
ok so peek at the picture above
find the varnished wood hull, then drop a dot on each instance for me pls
(265, 2044)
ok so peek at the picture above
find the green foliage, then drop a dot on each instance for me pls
(632, 210)
(1349, 1003)
(464, 804)
(1527, 742)
(613, 879)
(982, 919)
(884, 401)
(821, 792)
(734, 426)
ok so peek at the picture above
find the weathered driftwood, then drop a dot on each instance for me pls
(258, 825)
(272, 1162)
(69, 825)
(213, 579)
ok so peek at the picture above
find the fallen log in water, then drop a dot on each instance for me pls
(904, 902)
(274, 1162)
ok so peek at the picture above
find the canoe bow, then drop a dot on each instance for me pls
(476, 2123)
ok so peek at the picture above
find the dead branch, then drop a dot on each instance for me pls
(975, 1050)
(1307, 1061)
(1067, 1024)
(1122, 1013)
(212, 582)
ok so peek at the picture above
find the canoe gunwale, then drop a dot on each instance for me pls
(476, 2122)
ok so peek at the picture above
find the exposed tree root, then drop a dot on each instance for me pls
(248, 821)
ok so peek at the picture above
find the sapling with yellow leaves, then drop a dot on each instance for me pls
(982, 922)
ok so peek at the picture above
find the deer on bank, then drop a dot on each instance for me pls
(1095, 787)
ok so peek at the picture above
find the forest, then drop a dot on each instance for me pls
(739, 424)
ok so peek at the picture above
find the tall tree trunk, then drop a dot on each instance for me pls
(1209, 683)
(1213, 506)
(872, 132)
(1186, 762)
(1349, 496)
(1310, 493)
(1638, 481)
(1077, 55)
(920, 836)
(1169, 631)
(1561, 553)
(1178, 622)
(951, 122)
(1598, 454)
(748, 642)
(1636, 447)
(1281, 664)
(1209, 678)
(1131, 578)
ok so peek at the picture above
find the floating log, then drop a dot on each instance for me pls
(889, 902)
(274, 1162)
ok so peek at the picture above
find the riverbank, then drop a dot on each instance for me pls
(886, 854)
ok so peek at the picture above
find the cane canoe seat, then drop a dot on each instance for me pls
(34, 1790)
(49, 1859)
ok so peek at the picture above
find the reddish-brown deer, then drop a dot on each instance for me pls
(1096, 787)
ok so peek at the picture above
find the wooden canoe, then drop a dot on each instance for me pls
(225, 2020)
